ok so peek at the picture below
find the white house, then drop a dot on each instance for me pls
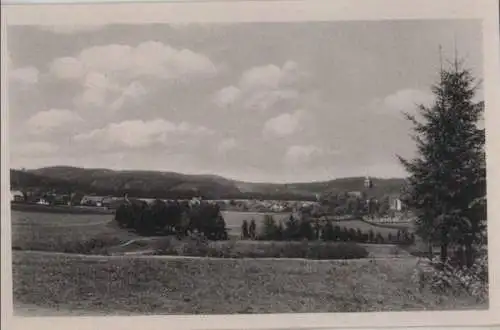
(16, 195)
(396, 204)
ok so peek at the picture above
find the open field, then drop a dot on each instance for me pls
(57, 232)
(178, 286)
(234, 220)
(48, 282)
(96, 234)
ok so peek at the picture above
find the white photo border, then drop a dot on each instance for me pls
(487, 11)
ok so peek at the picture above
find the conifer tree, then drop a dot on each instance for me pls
(328, 233)
(268, 228)
(292, 228)
(244, 230)
(448, 175)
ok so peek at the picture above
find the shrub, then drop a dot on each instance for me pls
(268, 229)
(200, 247)
(371, 236)
(328, 233)
(306, 230)
(444, 277)
(98, 245)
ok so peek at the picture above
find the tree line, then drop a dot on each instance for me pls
(294, 229)
(172, 218)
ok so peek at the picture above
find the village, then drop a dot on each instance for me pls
(346, 205)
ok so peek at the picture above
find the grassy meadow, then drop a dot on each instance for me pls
(214, 286)
(81, 263)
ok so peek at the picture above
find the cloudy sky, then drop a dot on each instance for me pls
(257, 102)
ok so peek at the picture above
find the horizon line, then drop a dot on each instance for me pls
(213, 174)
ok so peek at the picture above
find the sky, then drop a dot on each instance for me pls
(273, 102)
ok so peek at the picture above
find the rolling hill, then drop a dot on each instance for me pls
(152, 184)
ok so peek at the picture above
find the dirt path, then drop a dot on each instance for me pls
(143, 255)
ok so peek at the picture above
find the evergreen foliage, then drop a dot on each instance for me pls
(447, 181)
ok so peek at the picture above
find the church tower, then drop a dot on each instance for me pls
(368, 182)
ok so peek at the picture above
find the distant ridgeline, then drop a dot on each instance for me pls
(170, 185)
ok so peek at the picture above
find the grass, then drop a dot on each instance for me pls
(171, 285)
(65, 233)
(86, 234)
(215, 286)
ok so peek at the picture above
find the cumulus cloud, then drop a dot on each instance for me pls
(132, 92)
(67, 68)
(149, 58)
(108, 69)
(226, 145)
(140, 134)
(26, 75)
(269, 76)
(50, 120)
(284, 124)
(34, 149)
(261, 87)
(405, 100)
(302, 153)
(227, 96)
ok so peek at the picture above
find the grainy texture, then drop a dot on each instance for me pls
(180, 286)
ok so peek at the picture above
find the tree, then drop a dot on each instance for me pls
(344, 236)
(337, 233)
(244, 230)
(268, 231)
(292, 228)
(220, 228)
(371, 236)
(317, 229)
(306, 230)
(328, 233)
(352, 234)
(448, 174)
(359, 235)
(279, 231)
(252, 229)
(384, 206)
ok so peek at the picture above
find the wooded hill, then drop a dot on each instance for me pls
(171, 185)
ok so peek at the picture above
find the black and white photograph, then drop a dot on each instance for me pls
(247, 167)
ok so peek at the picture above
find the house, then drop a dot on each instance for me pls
(195, 201)
(16, 196)
(395, 203)
(43, 201)
(92, 201)
(357, 194)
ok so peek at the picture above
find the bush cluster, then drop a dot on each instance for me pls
(451, 277)
(173, 218)
(201, 247)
